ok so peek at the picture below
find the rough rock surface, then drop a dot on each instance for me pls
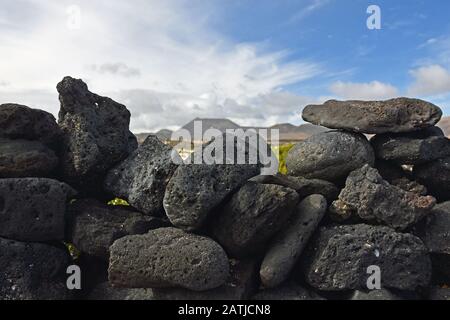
(338, 258)
(395, 115)
(413, 147)
(33, 209)
(24, 158)
(21, 122)
(252, 216)
(288, 291)
(381, 294)
(438, 293)
(435, 176)
(95, 226)
(241, 283)
(288, 245)
(304, 187)
(142, 177)
(196, 189)
(167, 257)
(104, 291)
(329, 156)
(95, 133)
(32, 271)
(373, 198)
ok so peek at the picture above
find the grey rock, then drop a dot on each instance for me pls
(288, 291)
(33, 209)
(196, 189)
(95, 133)
(288, 245)
(413, 147)
(329, 156)
(439, 293)
(32, 271)
(437, 229)
(21, 122)
(95, 226)
(373, 198)
(304, 187)
(381, 294)
(435, 176)
(105, 292)
(23, 158)
(142, 177)
(395, 115)
(167, 257)
(252, 217)
(241, 283)
(338, 257)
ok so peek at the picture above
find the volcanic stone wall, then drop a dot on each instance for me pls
(352, 213)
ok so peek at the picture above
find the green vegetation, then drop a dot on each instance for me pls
(118, 202)
(281, 154)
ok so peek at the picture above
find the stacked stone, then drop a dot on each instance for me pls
(221, 231)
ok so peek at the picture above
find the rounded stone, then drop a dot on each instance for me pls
(329, 156)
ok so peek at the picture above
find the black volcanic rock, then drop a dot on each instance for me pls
(252, 216)
(287, 291)
(287, 246)
(95, 226)
(167, 257)
(241, 283)
(21, 122)
(196, 189)
(106, 292)
(338, 258)
(95, 133)
(32, 271)
(412, 148)
(304, 187)
(329, 156)
(143, 176)
(377, 294)
(24, 158)
(33, 209)
(372, 198)
(395, 115)
(435, 176)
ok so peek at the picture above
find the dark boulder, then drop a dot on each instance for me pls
(374, 199)
(96, 133)
(435, 176)
(338, 258)
(288, 291)
(413, 147)
(198, 187)
(105, 292)
(395, 115)
(377, 294)
(304, 187)
(33, 209)
(21, 122)
(167, 257)
(329, 156)
(142, 177)
(24, 158)
(287, 246)
(32, 271)
(95, 226)
(252, 217)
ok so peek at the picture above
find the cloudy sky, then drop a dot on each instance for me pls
(257, 62)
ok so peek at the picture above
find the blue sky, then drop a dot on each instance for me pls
(255, 62)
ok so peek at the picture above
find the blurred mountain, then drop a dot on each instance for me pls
(444, 124)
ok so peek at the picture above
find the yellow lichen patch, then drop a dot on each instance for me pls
(281, 153)
(118, 202)
(73, 251)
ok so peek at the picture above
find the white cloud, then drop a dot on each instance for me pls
(183, 64)
(430, 80)
(374, 90)
(313, 6)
